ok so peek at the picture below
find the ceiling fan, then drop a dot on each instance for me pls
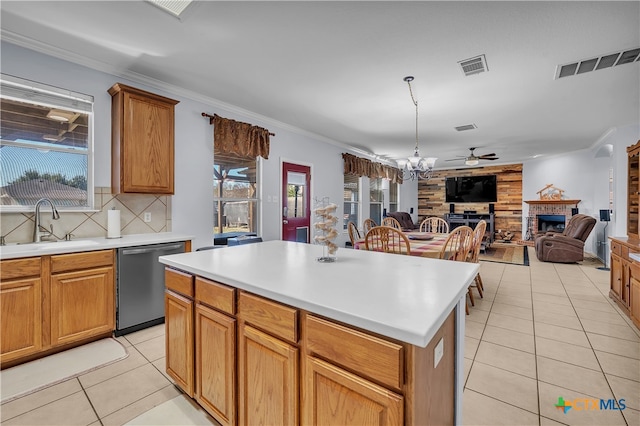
(472, 159)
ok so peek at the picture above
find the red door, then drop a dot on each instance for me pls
(296, 202)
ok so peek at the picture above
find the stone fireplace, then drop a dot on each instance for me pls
(548, 215)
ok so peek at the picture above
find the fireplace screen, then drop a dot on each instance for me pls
(551, 222)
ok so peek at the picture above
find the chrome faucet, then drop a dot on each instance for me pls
(37, 234)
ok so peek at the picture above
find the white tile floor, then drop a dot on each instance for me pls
(541, 332)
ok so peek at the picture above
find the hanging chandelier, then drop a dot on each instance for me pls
(416, 167)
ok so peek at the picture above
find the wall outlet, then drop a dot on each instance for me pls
(147, 216)
(438, 353)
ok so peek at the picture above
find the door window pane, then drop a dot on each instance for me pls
(296, 194)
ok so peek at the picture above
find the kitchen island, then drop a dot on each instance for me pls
(263, 333)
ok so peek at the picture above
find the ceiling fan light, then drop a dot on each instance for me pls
(471, 162)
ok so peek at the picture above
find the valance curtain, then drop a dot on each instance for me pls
(362, 167)
(242, 139)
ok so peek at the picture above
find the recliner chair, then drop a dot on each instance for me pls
(568, 246)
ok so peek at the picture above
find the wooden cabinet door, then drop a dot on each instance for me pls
(178, 318)
(216, 364)
(267, 379)
(21, 321)
(82, 304)
(148, 157)
(616, 276)
(626, 278)
(634, 294)
(336, 397)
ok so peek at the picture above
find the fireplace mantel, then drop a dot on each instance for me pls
(553, 201)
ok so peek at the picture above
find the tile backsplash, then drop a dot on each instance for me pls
(18, 227)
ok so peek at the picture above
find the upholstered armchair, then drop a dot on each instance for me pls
(405, 221)
(568, 246)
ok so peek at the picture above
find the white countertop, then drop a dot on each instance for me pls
(402, 297)
(635, 256)
(15, 251)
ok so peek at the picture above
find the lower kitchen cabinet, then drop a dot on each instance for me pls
(50, 303)
(257, 361)
(625, 277)
(216, 363)
(82, 305)
(334, 396)
(267, 379)
(21, 322)
(178, 314)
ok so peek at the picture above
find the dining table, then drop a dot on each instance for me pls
(423, 244)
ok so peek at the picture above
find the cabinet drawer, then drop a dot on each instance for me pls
(216, 295)
(272, 317)
(178, 281)
(616, 248)
(378, 359)
(19, 268)
(84, 260)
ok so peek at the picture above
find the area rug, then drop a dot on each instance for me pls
(32, 376)
(503, 253)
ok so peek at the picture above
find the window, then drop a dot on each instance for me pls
(376, 198)
(351, 200)
(393, 197)
(235, 189)
(46, 146)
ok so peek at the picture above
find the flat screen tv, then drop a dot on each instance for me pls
(471, 189)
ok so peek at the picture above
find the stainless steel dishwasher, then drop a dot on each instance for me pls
(140, 286)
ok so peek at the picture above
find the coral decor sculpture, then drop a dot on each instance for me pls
(325, 229)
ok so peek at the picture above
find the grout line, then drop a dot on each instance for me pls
(90, 402)
(535, 348)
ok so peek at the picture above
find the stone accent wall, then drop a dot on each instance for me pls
(18, 227)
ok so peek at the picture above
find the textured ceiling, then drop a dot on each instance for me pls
(336, 68)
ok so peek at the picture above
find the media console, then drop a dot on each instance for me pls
(471, 220)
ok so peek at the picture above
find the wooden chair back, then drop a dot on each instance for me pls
(388, 240)
(354, 233)
(434, 224)
(367, 225)
(478, 236)
(392, 222)
(458, 244)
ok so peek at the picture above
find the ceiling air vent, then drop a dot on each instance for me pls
(174, 7)
(466, 127)
(592, 64)
(474, 65)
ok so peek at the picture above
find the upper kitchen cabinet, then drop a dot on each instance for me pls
(142, 141)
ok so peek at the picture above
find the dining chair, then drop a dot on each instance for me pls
(354, 233)
(392, 222)
(478, 236)
(434, 224)
(367, 225)
(387, 239)
(457, 248)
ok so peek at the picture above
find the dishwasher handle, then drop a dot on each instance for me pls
(150, 249)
